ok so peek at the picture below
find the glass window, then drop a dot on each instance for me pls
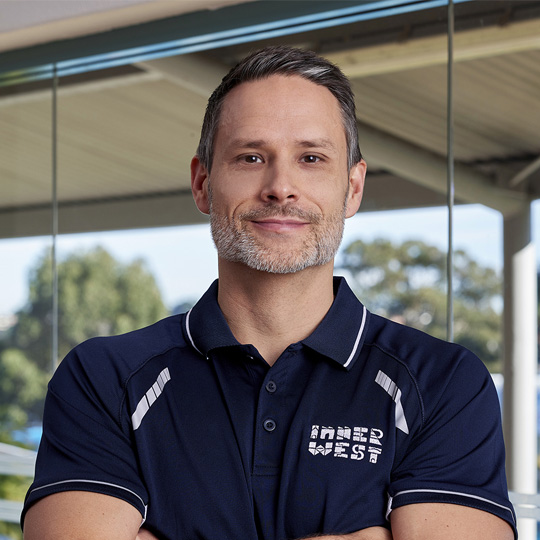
(125, 141)
(26, 293)
(132, 247)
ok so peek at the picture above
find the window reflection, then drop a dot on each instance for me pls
(25, 199)
(125, 138)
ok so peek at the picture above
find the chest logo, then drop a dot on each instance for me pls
(356, 443)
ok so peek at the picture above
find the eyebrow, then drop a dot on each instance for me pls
(318, 143)
(246, 143)
(304, 143)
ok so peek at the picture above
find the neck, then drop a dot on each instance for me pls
(271, 311)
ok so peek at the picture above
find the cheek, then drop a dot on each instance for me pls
(332, 203)
(227, 204)
(235, 191)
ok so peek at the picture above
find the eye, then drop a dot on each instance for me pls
(250, 158)
(311, 159)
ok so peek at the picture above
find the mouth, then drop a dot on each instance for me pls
(279, 225)
(280, 219)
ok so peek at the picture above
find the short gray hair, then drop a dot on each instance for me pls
(283, 61)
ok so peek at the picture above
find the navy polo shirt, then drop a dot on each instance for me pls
(209, 442)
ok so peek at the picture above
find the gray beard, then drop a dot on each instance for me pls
(235, 243)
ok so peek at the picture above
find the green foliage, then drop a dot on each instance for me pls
(407, 283)
(11, 530)
(14, 488)
(97, 295)
(22, 389)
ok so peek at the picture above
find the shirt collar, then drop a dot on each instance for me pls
(341, 333)
(205, 324)
(339, 336)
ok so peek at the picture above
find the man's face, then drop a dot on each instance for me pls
(278, 191)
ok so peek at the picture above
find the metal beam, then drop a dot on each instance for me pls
(430, 51)
(83, 87)
(196, 73)
(16, 460)
(10, 511)
(423, 167)
(522, 175)
(156, 210)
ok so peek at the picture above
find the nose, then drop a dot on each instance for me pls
(280, 184)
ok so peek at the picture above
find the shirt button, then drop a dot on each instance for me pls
(271, 386)
(269, 425)
(249, 357)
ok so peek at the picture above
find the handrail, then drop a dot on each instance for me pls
(10, 511)
(526, 505)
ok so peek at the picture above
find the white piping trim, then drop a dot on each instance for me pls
(357, 338)
(450, 493)
(189, 333)
(93, 482)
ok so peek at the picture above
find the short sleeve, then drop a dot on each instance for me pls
(457, 455)
(84, 446)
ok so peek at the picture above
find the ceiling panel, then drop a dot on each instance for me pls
(132, 133)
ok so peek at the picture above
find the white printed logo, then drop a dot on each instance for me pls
(356, 443)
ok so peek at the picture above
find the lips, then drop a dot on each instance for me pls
(281, 219)
(283, 222)
(280, 225)
(281, 216)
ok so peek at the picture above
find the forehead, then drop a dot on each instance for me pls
(281, 103)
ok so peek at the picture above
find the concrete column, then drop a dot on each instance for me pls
(520, 359)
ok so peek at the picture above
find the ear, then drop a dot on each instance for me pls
(357, 175)
(199, 185)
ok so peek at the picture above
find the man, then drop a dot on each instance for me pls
(278, 407)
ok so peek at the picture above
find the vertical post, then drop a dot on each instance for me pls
(450, 175)
(520, 361)
(54, 326)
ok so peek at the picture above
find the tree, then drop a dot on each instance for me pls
(97, 295)
(22, 389)
(407, 283)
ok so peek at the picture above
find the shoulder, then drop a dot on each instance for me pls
(412, 347)
(111, 361)
(139, 345)
(433, 368)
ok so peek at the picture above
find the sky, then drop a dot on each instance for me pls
(183, 259)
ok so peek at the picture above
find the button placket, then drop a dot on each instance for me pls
(272, 418)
